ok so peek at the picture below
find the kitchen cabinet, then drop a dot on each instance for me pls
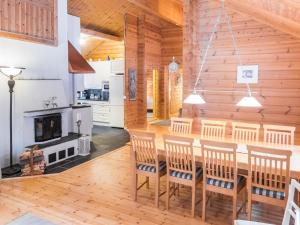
(117, 67)
(94, 81)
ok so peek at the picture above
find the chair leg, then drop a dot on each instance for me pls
(234, 205)
(193, 199)
(245, 200)
(168, 194)
(203, 204)
(157, 190)
(147, 185)
(249, 206)
(135, 185)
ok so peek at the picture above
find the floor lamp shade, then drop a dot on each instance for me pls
(11, 71)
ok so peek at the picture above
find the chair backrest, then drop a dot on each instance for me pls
(179, 154)
(245, 132)
(269, 168)
(292, 209)
(282, 135)
(213, 129)
(143, 147)
(219, 161)
(181, 125)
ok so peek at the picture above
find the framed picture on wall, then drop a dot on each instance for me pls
(132, 84)
(247, 74)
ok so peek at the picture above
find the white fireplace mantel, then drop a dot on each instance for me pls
(35, 113)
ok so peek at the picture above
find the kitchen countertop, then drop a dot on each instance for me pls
(80, 106)
(93, 100)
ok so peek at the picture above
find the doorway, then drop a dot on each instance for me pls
(174, 94)
(153, 96)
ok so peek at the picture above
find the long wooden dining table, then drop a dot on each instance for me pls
(242, 153)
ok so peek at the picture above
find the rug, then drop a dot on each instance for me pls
(30, 219)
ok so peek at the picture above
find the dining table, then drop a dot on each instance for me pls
(241, 154)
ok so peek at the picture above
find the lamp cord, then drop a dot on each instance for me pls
(208, 46)
(210, 41)
(234, 42)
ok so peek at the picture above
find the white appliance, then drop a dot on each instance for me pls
(116, 89)
(84, 146)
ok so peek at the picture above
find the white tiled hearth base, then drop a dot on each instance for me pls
(61, 152)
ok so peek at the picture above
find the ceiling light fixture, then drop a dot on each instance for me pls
(194, 98)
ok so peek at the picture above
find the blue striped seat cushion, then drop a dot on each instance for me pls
(187, 176)
(225, 184)
(268, 193)
(152, 169)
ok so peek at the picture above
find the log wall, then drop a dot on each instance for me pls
(276, 53)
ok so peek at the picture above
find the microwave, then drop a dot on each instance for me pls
(105, 85)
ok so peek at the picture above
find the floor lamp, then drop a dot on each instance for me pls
(11, 73)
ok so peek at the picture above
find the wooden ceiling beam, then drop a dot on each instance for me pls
(100, 34)
(169, 10)
(265, 16)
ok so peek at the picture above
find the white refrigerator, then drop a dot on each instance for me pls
(116, 99)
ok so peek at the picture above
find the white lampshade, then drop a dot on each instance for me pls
(194, 99)
(249, 101)
(11, 71)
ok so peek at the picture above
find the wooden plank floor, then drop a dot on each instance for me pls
(99, 192)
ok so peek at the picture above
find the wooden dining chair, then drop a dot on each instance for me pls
(220, 173)
(292, 210)
(245, 132)
(281, 135)
(146, 162)
(213, 129)
(181, 125)
(268, 176)
(181, 166)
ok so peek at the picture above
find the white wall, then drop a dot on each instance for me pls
(41, 62)
(74, 38)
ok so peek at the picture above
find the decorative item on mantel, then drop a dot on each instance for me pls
(50, 103)
(32, 162)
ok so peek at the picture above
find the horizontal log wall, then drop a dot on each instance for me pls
(31, 20)
(136, 110)
(276, 53)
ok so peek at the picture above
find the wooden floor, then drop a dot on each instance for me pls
(99, 192)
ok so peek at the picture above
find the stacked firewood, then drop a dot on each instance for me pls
(32, 162)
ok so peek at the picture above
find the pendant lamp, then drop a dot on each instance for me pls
(194, 98)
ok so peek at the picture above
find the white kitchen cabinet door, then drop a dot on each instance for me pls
(117, 66)
(102, 72)
(117, 116)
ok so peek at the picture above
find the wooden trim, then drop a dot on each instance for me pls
(100, 34)
(33, 21)
(170, 11)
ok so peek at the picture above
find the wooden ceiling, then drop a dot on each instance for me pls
(107, 16)
(283, 15)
